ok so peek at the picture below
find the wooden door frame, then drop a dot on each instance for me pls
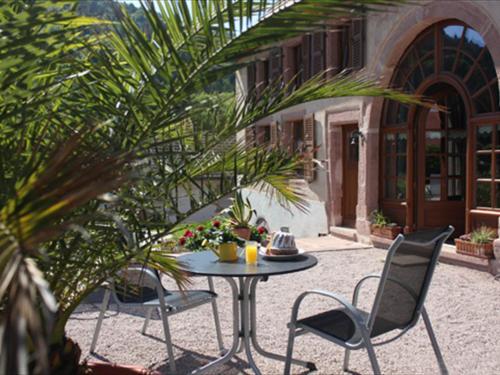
(345, 150)
(413, 133)
(335, 120)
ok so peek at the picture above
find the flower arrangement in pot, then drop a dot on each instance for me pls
(381, 226)
(218, 237)
(259, 234)
(240, 214)
(478, 243)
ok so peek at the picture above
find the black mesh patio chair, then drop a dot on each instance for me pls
(140, 287)
(398, 303)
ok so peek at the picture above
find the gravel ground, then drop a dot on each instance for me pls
(463, 304)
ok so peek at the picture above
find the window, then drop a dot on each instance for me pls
(394, 167)
(487, 166)
(298, 65)
(263, 134)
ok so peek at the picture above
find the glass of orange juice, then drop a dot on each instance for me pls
(251, 252)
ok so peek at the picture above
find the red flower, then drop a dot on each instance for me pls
(216, 223)
(200, 228)
(188, 233)
(261, 230)
(182, 241)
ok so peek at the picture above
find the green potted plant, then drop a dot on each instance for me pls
(217, 236)
(381, 226)
(240, 213)
(478, 243)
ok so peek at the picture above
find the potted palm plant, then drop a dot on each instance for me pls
(478, 243)
(240, 213)
(381, 226)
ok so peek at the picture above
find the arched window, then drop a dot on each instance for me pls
(450, 62)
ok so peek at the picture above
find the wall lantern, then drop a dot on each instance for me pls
(356, 135)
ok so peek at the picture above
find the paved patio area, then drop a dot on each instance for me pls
(463, 304)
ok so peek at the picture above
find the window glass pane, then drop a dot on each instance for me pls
(402, 115)
(432, 166)
(433, 189)
(497, 167)
(494, 94)
(401, 166)
(401, 143)
(415, 77)
(483, 166)
(482, 103)
(464, 65)
(392, 109)
(401, 188)
(498, 196)
(456, 189)
(483, 194)
(425, 43)
(484, 138)
(390, 188)
(476, 81)
(473, 42)
(390, 144)
(434, 120)
(434, 142)
(449, 57)
(451, 35)
(390, 166)
(457, 142)
(498, 136)
(428, 66)
(487, 65)
(456, 165)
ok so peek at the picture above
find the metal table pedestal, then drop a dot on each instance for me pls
(245, 326)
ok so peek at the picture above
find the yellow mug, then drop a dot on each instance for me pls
(227, 252)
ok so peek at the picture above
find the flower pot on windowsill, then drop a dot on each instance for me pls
(242, 232)
(387, 231)
(478, 250)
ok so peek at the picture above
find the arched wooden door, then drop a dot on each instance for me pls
(441, 161)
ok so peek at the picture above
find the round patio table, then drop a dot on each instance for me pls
(206, 263)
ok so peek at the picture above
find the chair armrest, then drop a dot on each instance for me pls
(360, 283)
(351, 310)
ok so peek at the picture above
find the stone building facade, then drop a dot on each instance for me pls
(424, 168)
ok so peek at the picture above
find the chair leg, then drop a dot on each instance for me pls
(289, 349)
(168, 341)
(373, 358)
(347, 354)
(435, 346)
(146, 321)
(215, 311)
(104, 306)
(371, 352)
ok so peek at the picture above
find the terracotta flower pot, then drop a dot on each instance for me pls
(242, 232)
(478, 250)
(390, 231)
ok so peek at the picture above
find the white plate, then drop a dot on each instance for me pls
(262, 252)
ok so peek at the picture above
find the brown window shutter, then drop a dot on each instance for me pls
(306, 57)
(317, 53)
(261, 76)
(333, 52)
(274, 134)
(250, 136)
(357, 44)
(309, 148)
(287, 136)
(275, 64)
(251, 77)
